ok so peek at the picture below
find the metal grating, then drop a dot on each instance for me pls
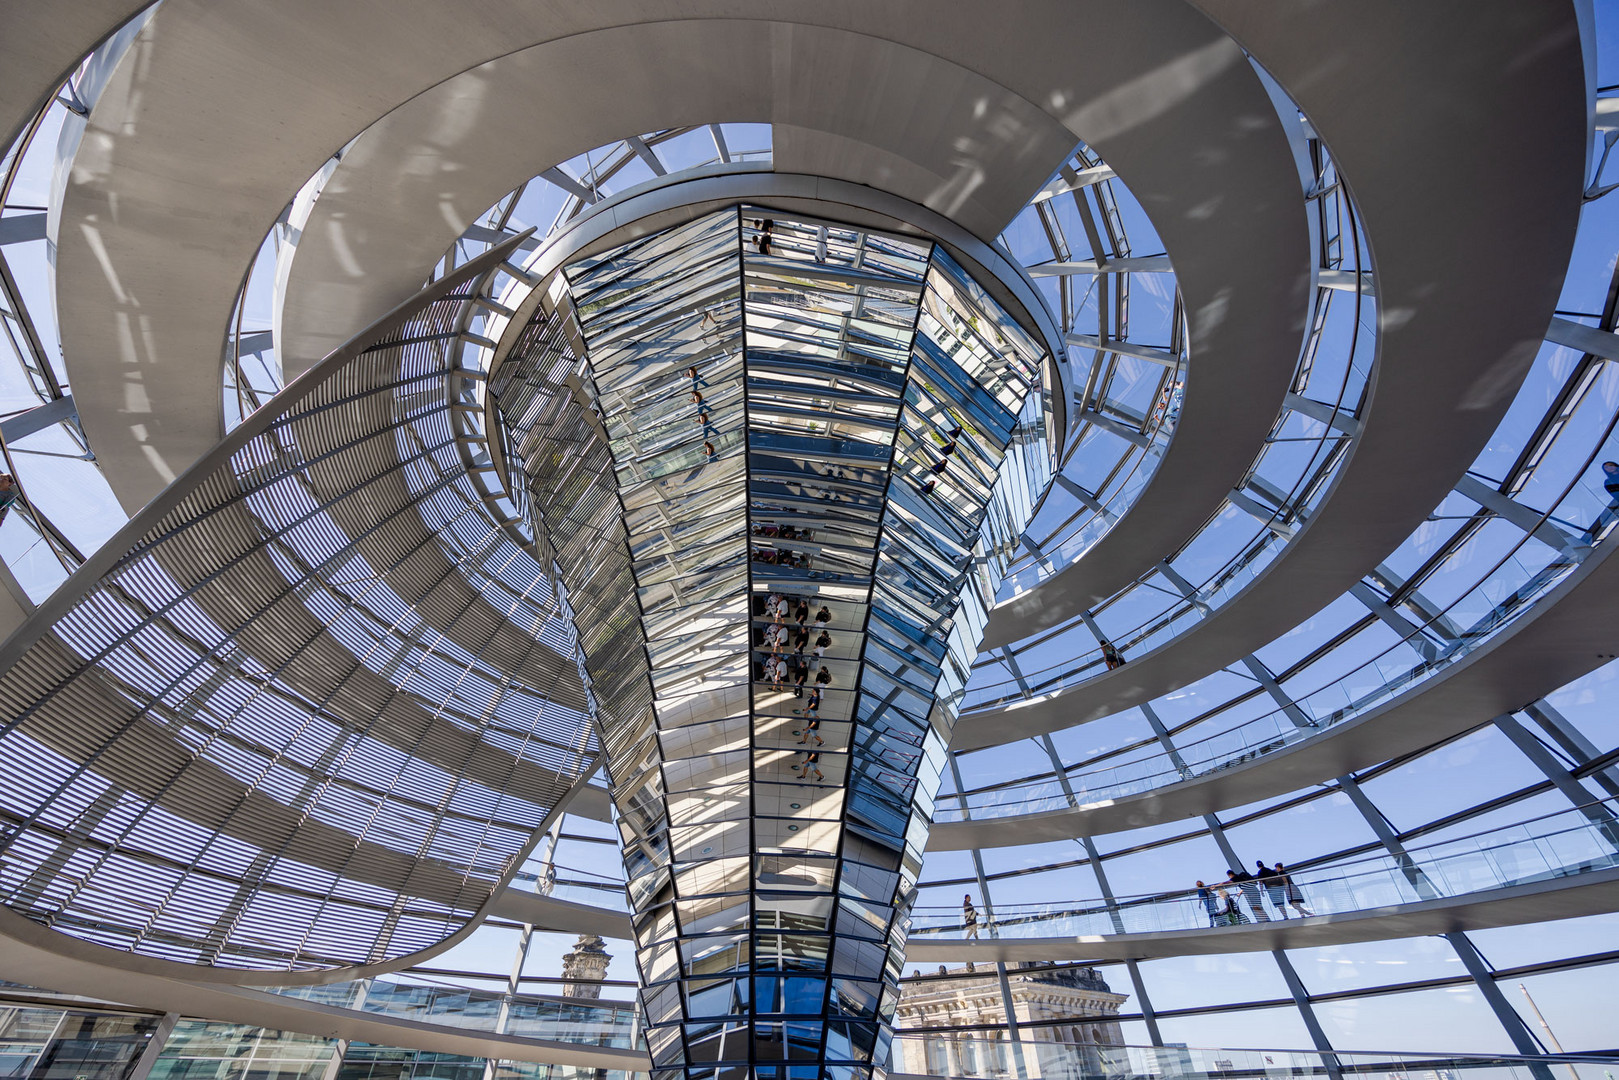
(276, 723)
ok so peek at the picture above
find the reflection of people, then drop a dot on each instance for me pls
(969, 918)
(709, 451)
(798, 667)
(1610, 484)
(1111, 656)
(10, 492)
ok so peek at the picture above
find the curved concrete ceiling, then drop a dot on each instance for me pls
(421, 175)
(1160, 91)
(44, 43)
(1468, 275)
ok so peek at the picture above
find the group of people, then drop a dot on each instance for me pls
(790, 632)
(762, 238)
(938, 467)
(765, 237)
(704, 415)
(777, 556)
(1220, 899)
(793, 669)
(783, 532)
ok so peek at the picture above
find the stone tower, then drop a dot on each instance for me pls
(586, 966)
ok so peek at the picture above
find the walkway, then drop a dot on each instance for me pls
(1445, 375)
(40, 957)
(1573, 634)
(1593, 894)
(1496, 877)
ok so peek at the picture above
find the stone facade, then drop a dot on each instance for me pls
(961, 997)
(586, 965)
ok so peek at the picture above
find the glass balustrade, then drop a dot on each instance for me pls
(1290, 476)
(1511, 582)
(1561, 845)
(962, 1056)
(573, 885)
(557, 1019)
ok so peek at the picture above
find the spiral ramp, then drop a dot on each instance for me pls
(1434, 589)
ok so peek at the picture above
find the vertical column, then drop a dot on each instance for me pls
(822, 441)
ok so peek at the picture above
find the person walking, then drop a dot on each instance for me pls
(822, 643)
(1210, 902)
(1251, 893)
(801, 612)
(1273, 888)
(810, 766)
(969, 918)
(1295, 895)
(812, 705)
(810, 731)
(824, 616)
(823, 677)
(798, 668)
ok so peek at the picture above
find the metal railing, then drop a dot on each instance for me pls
(946, 1055)
(1564, 844)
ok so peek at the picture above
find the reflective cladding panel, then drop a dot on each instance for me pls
(824, 442)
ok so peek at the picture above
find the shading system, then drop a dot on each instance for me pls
(781, 464)
(272, 724)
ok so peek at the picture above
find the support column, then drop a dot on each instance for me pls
(1598, 813)
(154, 1047)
